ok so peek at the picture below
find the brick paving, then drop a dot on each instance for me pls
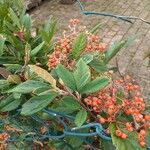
(130, 59)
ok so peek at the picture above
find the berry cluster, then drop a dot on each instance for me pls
(95, 44)
(3, 138)
(141, 137)
(121, 98)
(120, 134)
(63, 46)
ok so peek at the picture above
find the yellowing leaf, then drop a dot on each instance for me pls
(15, 79)
(44, 75)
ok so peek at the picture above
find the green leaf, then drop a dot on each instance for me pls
(27, 22)
(78, 45)
(75, 142)
(45, 36)
(107, 145)
(96, 27)
(14, 18)
(95, 85)
(98, 66)
(87, 58)
(80, 117)
(28, 86)
(37, 103)
(8, 60)
(64, 110)
(48, 31)
(69, 102)
(37, 49)
(82, 74)
(9, 103)
(114, 49)
(124, 144)
(2, 42)
(13, 67)
(67, 77)
(4, 84)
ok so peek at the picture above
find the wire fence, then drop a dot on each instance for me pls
(61, 118)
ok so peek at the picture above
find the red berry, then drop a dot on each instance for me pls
(118, 133)
(143, 132)
(123, 136)
(102, 120)
(143, 144)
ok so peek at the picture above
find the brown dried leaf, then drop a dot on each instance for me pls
(5, 73)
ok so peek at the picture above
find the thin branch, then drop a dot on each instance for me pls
(134, 120)
(117, 64)
(78, 99)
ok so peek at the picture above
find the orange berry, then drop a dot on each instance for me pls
(123, 136)
(129, 126)
(140, 137)
(118, 133)
(102, 120)
(94, 103)
(147, 117)
(143, 144)
(143, 132)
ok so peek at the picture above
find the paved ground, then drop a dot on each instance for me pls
(131, 59)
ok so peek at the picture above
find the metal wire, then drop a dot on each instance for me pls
(95, 129)
(124, 18)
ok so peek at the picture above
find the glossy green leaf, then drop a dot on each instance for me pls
(27, 22)
(98, 66)
(37, 103)
(95, 85)
(48, 31)
(37, 49)
(4, 84)
(8, 60)
(96, 28)
(67, 77)
(70, 103)
(67, 105)
(80, 117)
(87, 58)
(107, 145)
(78, 45)
(114, 49)
(82, 74)
(13, 67)
(14, 18)
(9, 103)
(28, 86)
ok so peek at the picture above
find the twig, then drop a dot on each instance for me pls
(119, 70)
(78, 99)
(26, 60)
(134, 120)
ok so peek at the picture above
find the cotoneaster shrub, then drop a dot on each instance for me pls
(69, 76)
